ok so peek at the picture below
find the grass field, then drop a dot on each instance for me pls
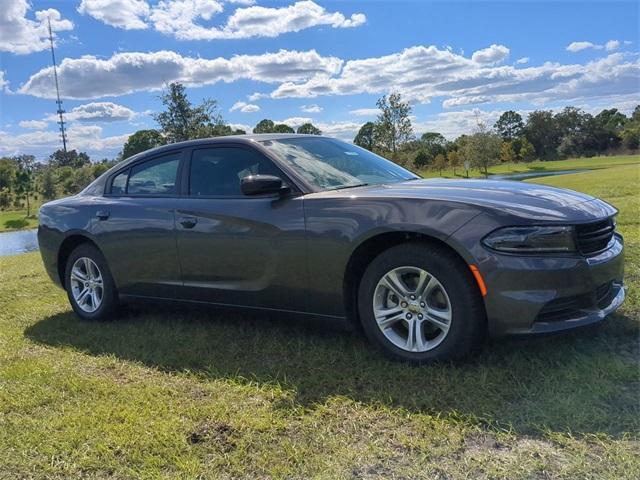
(17, 220)
(209, 394)
(592, 163)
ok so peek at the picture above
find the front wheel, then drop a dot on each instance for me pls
(419, 303)
(90, 287)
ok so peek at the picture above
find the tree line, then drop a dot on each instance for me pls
(544, 135)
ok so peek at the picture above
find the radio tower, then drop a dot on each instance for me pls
(60, 111)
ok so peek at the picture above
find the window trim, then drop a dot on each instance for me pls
(186, 173)
(129, 167)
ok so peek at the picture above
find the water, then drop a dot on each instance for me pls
(526, 175)
(22, 241)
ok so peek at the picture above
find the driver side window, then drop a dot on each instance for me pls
(217, 171)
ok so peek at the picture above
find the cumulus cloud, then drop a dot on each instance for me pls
(4, 83)
(422, 73)
(523, 60)
(578, 46)
(295, 121)
(123, 73)
(491, 55)
(41, 143)
(313, 108)
(125, 14)
(612, 45)
(245, 107)
(183, 19)
(100, 112)
(365, 112)
(21, 35)
(33, 124)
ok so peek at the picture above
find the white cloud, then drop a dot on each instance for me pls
(294, 121)
(100, 112)
(491, 55)
(4, 83)
(20, 35)
(244, 107)
(423, 73)
(342, 130)
(34, 124)
(179, 18)
(313, 108)
(125, 14)
(453, 124)
(42, 143)
(523, 60)
(92, 77)
(578, 46)
(365, 112)
(612, 45)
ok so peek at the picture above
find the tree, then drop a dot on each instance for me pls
(24, 184)
(309, 129)
(439, 163)
(8, 167)
(71, 159)
(366, 136)
(422, 159)
(608, 129)
(264, 126)
(527, 151)
(509, 125)
(482, 148)
(48, 185)
(507, 155)
(142, 140)
(434, 144)
(393, 126)
(454, 160)
(181, 120)
(282, 128)
(541, 130)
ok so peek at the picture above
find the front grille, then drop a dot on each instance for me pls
(594, 237)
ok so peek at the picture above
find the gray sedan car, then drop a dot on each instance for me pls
(318, 227)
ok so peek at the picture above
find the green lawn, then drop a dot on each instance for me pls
(18, 220)
(539, 166)
(167, 392)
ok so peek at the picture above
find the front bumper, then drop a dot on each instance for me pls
(529, 295)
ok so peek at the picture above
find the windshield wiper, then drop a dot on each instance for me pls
(351, 186)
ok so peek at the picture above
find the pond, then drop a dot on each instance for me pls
(22, 241)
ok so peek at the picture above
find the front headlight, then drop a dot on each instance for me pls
(534, 239)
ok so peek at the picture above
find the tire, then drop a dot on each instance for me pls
(106, 297)
(452, 320)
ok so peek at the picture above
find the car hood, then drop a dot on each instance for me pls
(526, 200)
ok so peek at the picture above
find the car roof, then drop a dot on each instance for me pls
(247, 139)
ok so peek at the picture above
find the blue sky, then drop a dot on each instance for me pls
(328, 62)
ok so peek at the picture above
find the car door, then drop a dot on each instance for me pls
(236, 249)
(134, 225)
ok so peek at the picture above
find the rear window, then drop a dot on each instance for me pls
(153, 177)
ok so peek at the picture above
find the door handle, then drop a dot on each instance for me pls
(188, 222)
(102, 214)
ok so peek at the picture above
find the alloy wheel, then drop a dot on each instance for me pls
(412, 309)
(87, 286)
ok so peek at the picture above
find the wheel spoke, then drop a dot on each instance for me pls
(94, 299)
(415, 336)
(77, 275)
(82, 296)
(393, 282)
(388, 317)
(439, 318)
(428, 288)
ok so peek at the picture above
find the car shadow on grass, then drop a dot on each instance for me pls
(580, 382)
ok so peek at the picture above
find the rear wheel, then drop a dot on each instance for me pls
(90, 287)
(419, 303)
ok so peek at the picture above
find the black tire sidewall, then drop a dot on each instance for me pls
(110, 296)
(468, 318)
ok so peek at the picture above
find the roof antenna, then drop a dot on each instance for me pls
(60, 111)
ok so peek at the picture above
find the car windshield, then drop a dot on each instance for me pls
(331, 164)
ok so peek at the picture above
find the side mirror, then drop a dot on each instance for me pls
(262, 184)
